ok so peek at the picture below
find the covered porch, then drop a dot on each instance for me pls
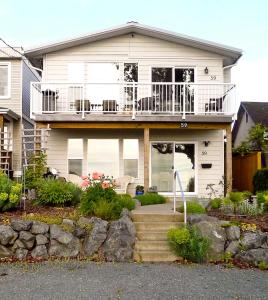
(150, 152)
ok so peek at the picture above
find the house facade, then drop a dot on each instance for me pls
(139, 101)
(15, 77)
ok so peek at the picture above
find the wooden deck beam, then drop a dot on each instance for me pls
(133, 125)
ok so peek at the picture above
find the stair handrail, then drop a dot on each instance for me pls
(177, 175)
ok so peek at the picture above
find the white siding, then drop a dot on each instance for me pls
(145, 50)
(57, 150)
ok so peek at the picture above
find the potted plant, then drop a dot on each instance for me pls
(139, 190)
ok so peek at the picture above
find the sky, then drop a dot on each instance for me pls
(238, 23)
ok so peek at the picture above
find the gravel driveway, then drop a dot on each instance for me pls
(87, 280)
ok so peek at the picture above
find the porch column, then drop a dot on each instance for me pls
(1, 122)
(84, 162)
(228, 159)
(146, 146)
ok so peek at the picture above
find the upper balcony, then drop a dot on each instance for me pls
(51, 101)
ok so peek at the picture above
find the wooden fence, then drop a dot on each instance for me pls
(244, 168)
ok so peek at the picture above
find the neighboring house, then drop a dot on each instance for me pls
(15, 77)
(249, 114)
(139, 101)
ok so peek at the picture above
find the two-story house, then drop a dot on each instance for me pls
(139, 101)
(16, 74)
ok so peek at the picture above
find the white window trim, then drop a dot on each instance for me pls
(8, 64)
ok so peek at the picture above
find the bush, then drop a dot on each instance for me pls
(188, 243)
(43, 218)
(57, 193)
(260, 180)
(193, 207)
(104, 202)
(262, 199)
(10, 193)
(151, 198)
(216, 203)
(35, 171)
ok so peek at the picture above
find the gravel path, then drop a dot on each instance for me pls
(87, 280)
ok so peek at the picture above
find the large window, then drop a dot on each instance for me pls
(131, 157)
(103, 156)
(4, 80)
(75, 156)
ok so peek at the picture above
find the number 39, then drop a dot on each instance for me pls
(213, 77)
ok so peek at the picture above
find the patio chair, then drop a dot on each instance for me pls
(75, 179)
(122, 184)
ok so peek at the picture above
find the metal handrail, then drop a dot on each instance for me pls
(177, 175)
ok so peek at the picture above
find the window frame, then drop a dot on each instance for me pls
(8, 64)
(78, 157)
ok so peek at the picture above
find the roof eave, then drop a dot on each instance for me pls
(232, 54)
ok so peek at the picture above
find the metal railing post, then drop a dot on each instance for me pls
(83, 102)
(184, 98)
(177, 174)
(133, 102)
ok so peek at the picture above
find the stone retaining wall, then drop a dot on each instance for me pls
(244, 245)
(86, 237)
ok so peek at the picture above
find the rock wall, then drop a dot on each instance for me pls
(244, 245)
(86, 237)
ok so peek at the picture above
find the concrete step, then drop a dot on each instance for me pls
(157, 217)
(152, 246)
(156, 226)
(155, 256)
(160, 235)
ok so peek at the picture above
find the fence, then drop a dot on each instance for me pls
(244, 168)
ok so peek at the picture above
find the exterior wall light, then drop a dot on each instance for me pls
(206, 143)
(206, 70)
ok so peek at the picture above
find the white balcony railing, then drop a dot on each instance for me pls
(133, 98)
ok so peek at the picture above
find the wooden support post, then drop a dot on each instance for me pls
(1, 122)
(146, 145)
(228, 159)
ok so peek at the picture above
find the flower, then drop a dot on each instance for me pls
(96, 175)
(105, 184)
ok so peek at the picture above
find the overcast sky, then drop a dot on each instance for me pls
(239, 23)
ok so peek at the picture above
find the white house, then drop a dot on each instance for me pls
(140, 101)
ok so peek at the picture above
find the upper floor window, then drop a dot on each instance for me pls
(4, 80)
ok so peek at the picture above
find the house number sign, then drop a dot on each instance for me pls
(184, 125)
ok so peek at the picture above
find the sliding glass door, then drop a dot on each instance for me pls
(171, 156)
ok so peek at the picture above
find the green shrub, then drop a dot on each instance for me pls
(125, 201)
(193, 207)
(57, 193)
(10, 193)
(35, 171)
(104, 203)
(151, 198)
(236, 198)
(262, 200)
(188, 243)
(260, 180)
(216, 203)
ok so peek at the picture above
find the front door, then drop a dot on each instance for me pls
(167, 157)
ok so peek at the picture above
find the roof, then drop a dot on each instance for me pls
(9, 112)
(258, 111)
(231, 54)
(7, 52)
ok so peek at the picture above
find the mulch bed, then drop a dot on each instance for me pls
(36, 209)
(260, 221)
